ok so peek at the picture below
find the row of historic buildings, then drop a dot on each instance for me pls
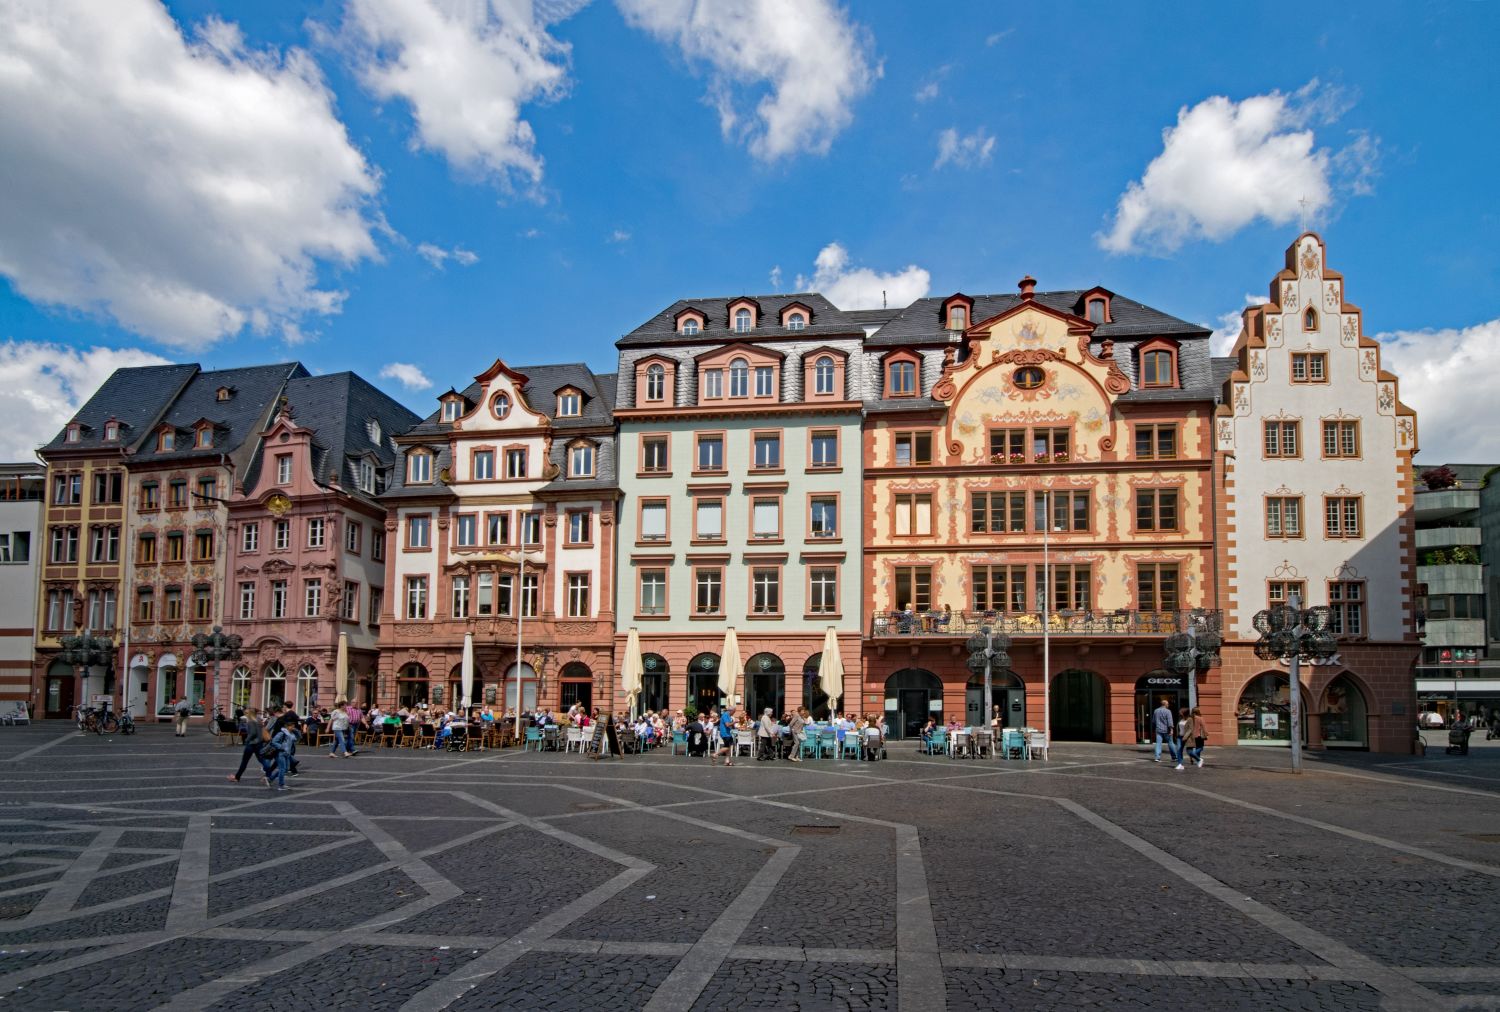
(1073, 468)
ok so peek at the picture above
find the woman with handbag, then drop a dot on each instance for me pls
(1198, 735)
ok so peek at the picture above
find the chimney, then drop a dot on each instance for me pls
(1028, 287)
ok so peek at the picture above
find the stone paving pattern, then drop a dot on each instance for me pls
(134, 877)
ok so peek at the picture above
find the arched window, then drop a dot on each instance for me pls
(823, 375)
(739, 376)
(796, 321)
(656, 382)
(690, 326)
(239, 688)
(1156, 369)
(742, 321)
(273, 685)
(1310, 319)
(958, 317)
(500, 405)
(307, 688)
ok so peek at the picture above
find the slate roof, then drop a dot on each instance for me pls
(873, 317)
(922, 321)
(236, 421)
(827, 320)
(136, 397)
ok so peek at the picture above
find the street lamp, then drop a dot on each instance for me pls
(86, 651)
(987, 649)
(214, 647)
(1192, 653)
(1293, 634)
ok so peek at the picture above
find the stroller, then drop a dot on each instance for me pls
(458, 738)
(1458, 738)
(697, 740)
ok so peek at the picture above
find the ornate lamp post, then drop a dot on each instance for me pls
(1192, 653)
(214, 647)
(85, 652)
(1292, 634)
(987, 649)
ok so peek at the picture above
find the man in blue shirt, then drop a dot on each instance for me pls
(726, 739)
(1161, 726)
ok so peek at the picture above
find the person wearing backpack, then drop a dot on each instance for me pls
(338, 726)
(281, 746)
(1197, 734)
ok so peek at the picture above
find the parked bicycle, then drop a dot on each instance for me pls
(97, 720)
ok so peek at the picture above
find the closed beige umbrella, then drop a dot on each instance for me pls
(831, 671)
(341, 669)
(729, 667)
(632, 670)
(466, 673)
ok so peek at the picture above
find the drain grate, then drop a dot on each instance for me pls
(816, 830)
(1483, 837)
(592, 806)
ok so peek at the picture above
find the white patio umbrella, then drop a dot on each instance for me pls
(831, 671)
(341, 669)
(729, 667)
(466, 671)
(632, 670)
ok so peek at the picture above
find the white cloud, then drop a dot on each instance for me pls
(185, 188)
(776, 278)
(43, 385)
(465, 69)
(619, 235)
(1221, 341)
(530, 233)
(439, 257)
(860, 287)
(406, 374)
(1432, 366)
(813, 61)
(1226, 164)
(967, 151)
(995, 38)
(928, 92)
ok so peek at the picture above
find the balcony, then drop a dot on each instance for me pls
(1450, 502)
(1453, 632)
(1447, 537)
(1452, 579)
(1121, 624)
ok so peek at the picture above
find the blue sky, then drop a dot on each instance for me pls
(417, 186)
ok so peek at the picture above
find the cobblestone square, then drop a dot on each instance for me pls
(133, 875)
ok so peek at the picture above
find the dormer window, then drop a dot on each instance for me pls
(743, 320)
(823, 372)
(452, 408)
(581, 460)
(111, 432)
(690, 326)
(205, 437)
(224, 393)
(372, 429)
(958, 317)
(656, 382)
(419, 467)
(901, 376)
(1095, 305)
(366, 479)
(167, 441)
(500, 406)
(796, 321)
(569, 404)
(739, 373)
(1158, 364)
(1096, 311)
(73, 434)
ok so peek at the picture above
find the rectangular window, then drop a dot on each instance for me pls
(203, 604)
(823, 521)
(150, 496)
(531, 528)
(580, 600)
(1156, 509)
(653, 520)
(247, 601)
(172, 605)
(176, 542)
(316, 532)
(353, 534)
(278, 599)
(1008, 446)
(1282, 438)
(823, 590)
(497, 528)
(145, 550)
(767, 455)
(823, 448)
(419, 468)
(998, 588)
(1309, 367)
(351, 601)
(580, 527)
(914, 587)
(765, 517)
(1156, 586)
(1284, 516)
(312, 598)
(581, 461)
(484, 465)
(203, 546)
(104, 544)
(460, 597)
(208, 490)
(177, 495)
(913, 449)
(997, 513)
(283, 469)
(708, 519)
(902, 379)
(765, 381)
(416, 597)
(67, 490)
(505, 594)
(107, 485)
(1050, 444)
(419, 532)
(1341, 516)
(529, 587)
(1071, 585)
(654, 455)
(710, 453)
(708, 591)
(466, 530)
(1346, 607)
(765, 590)
(15, 546)
(145, 605)
(485, 593)
(1070, 510)
(250, 537)
(282, 535)
(1280, 592)
(653, 592)
(1341, 439)
(377, 601)
(377, 545)
(913, 514)
(713, 383)
(515, 463)
(60, 609)
(1156, 442)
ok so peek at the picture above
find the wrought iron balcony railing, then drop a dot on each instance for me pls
(1019, 625)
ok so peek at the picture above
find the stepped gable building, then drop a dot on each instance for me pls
(501, 524)
(306, 544)
(180, 480)
(1318, 502)
(84, 532)
(22, 495)
(740, 460)
(1038, 463)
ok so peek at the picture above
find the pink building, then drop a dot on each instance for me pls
(307, 544)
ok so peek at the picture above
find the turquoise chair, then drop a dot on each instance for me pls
(938, 742)
(533, 737)
(828, 743)
(679, 738)
(851, 744)
(809, 746)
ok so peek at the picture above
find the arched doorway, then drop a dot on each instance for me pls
(765, 684)
(1264, 710)
(813, 696)
(138, 685)
(58, 701)
(911, 696)
(166, 683)
(1346, 714)
(1080, 706)
(1008, 692)
(1151, 690)
(411, 686)
(521, 680)
(654, 682)
(703, 682)
(273, 685)
(576, 685)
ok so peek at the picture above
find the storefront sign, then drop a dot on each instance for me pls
(1270, 721)
(935, 705)
(1332, 661)
(1164, 681)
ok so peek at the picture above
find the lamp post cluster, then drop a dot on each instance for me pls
(212, 648)
(1294, 634)
(988, 650)
(86, 651)
(1193, 652)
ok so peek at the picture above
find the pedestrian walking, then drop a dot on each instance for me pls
(766, 731)
(285, 716)
(183, 711)
(797, 725)
(338, 726)
(1161, 727)
(1184, 725)
(1198, 735)
(282, 744)
(251, 726)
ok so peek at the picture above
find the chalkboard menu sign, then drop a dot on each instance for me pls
(596, 739)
